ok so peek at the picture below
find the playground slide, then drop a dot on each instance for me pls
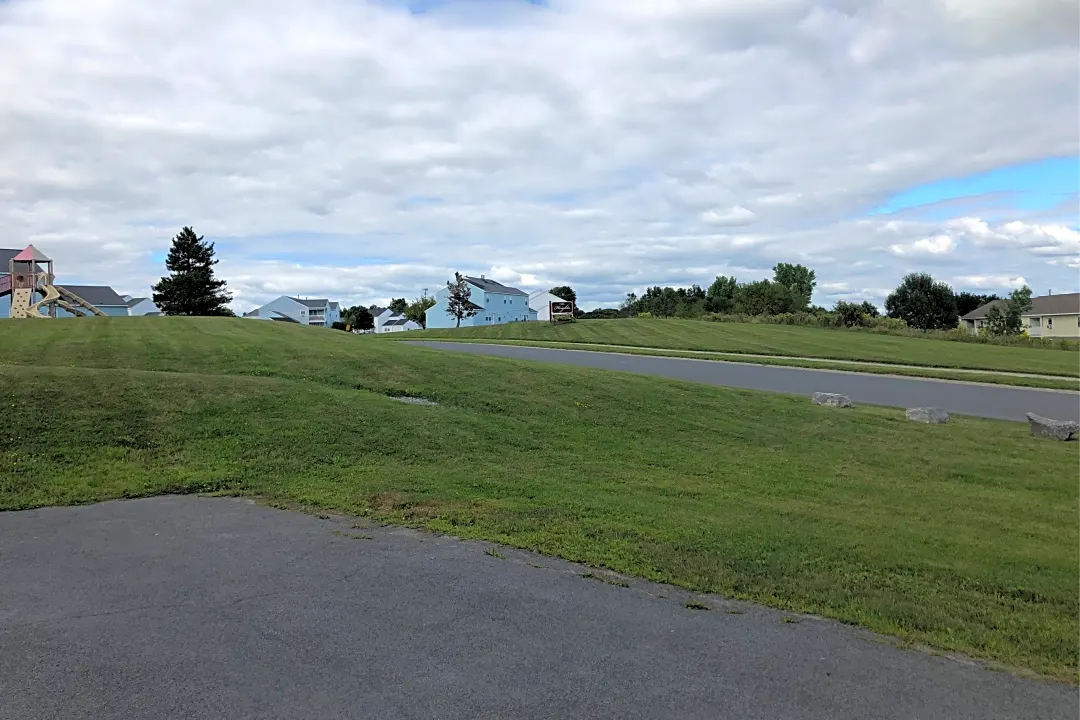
(49, 295)
(71, 298)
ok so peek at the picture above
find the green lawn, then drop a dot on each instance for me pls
(963, 536)
(780, 340)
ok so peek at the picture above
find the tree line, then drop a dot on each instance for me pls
(919, 301)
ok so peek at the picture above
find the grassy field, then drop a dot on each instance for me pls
(962, 536)
(786, 340)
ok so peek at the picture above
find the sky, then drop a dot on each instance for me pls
(366, 149)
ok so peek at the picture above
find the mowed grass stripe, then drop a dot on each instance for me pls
(781, 340)
(963, 536)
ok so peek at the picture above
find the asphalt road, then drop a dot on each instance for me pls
(1000, 402)
(185, 607)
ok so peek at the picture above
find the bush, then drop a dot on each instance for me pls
(644, 315)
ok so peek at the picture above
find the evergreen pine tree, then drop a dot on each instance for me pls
(191, 288)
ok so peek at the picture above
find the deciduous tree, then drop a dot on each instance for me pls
(1005, 318)
(923, 303)
(799, 279)
(459, 304)
(417, 310)
(565, 292)
(358, 317)
(720, 297)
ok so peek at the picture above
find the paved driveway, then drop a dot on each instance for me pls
(990, 401)
(185, 607)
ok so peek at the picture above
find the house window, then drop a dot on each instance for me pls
(1049, 323)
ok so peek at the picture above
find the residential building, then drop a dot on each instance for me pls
(1049, 316)
(540, 301)
(493, 302)
(141, 306)
(316, 312)
(389, 321)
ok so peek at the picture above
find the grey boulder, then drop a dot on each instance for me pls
(928, 415)
(1055, 429)
(832, 400)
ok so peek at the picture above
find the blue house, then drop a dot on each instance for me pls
(493, 302)
(314, 312)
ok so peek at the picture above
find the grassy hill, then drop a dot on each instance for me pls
(786, 340)
(962, 536)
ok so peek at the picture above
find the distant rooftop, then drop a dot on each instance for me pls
(493, 286)
(312, 302)
(99, 295)
(1064, 304)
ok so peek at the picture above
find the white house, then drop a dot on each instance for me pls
(390, 321)
(540, 301)
(318, 312)
(141, 306)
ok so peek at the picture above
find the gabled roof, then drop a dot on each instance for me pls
(1066, 304)
(97, 295)
(493, 287)
(134, 301)
(316, 303)
(394, 322)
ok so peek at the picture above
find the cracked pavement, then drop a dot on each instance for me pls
(188, 607)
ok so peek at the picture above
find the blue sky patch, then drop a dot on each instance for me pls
(1040, 185)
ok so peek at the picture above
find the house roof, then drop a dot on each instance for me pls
(395, 321)
(334, 305)
(493, 287)
(1065, 304)
(97, 295)
(316, 303)
(134, 301)
(282, 317)
(253, 313)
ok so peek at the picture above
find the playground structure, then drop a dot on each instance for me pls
(30, 273)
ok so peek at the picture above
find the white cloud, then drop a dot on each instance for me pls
(729, 217)
(937, 245)
(352, 149)
(991, 282)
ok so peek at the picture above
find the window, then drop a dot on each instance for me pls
(1049, 323)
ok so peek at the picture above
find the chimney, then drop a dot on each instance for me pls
(481, 276)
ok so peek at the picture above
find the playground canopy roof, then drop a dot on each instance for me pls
(31, 254)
